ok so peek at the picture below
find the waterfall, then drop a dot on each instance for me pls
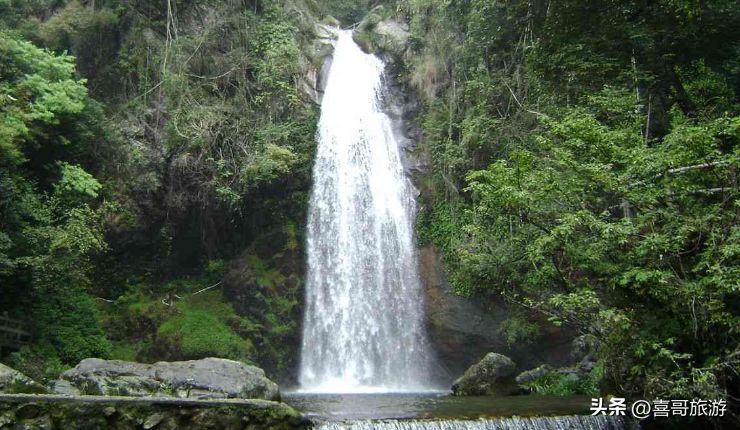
(515, 423)
(363, 324)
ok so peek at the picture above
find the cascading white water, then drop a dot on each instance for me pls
(574, 422)
(363, 327)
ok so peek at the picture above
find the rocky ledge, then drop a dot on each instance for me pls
(27, 411)
(211, 393)
(209, 378)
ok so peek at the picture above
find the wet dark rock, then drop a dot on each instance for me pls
(209, 378)
(461, 329)
(493, 375)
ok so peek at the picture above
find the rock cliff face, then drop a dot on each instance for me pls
(265, 284)
(460, 330)
(464, 329)
(382, 34)
(318, 62)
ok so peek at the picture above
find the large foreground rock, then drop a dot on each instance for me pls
(209, 378)
(494, 375)
(126, 413)
(13, 381)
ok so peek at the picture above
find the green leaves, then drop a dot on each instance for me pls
(76, 182)
(603, 232)
(37, 89)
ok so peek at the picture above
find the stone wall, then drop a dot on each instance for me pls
(33, 412)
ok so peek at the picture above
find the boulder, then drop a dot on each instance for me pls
(377, 34)
(209, 378)
(14, 382)
(584, 352)
(65, 388)
(531, 375)
(493, 375)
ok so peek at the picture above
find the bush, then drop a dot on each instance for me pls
(39, 362)
(557, 383)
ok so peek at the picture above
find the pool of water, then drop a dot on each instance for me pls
(440, 405)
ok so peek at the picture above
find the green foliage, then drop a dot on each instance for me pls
(68, 319)
(199, 329)
(270, 165)
(582, 166)
(598, 214)
(517, 330)
(264, 276)
(51, 227)
(555, 383)
(76, 182)
(349, 11)
(124, 351)
(37, 88)
(39, 362)
(274, 306)
(179, 320)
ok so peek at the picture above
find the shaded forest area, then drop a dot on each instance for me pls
(583, 168)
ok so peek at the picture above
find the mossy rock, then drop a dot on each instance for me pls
(14, 382)
(380, 33)
(124, 414)
(493, 375)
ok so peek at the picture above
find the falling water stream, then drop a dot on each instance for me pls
(363, 326)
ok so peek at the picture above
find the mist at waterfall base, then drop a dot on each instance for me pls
(363, 324)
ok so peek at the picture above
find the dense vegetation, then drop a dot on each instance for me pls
(584, 169)
(585, 163)
(140, 146)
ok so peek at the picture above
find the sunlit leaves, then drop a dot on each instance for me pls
(37, 88)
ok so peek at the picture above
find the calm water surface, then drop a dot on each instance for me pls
(431, 405)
